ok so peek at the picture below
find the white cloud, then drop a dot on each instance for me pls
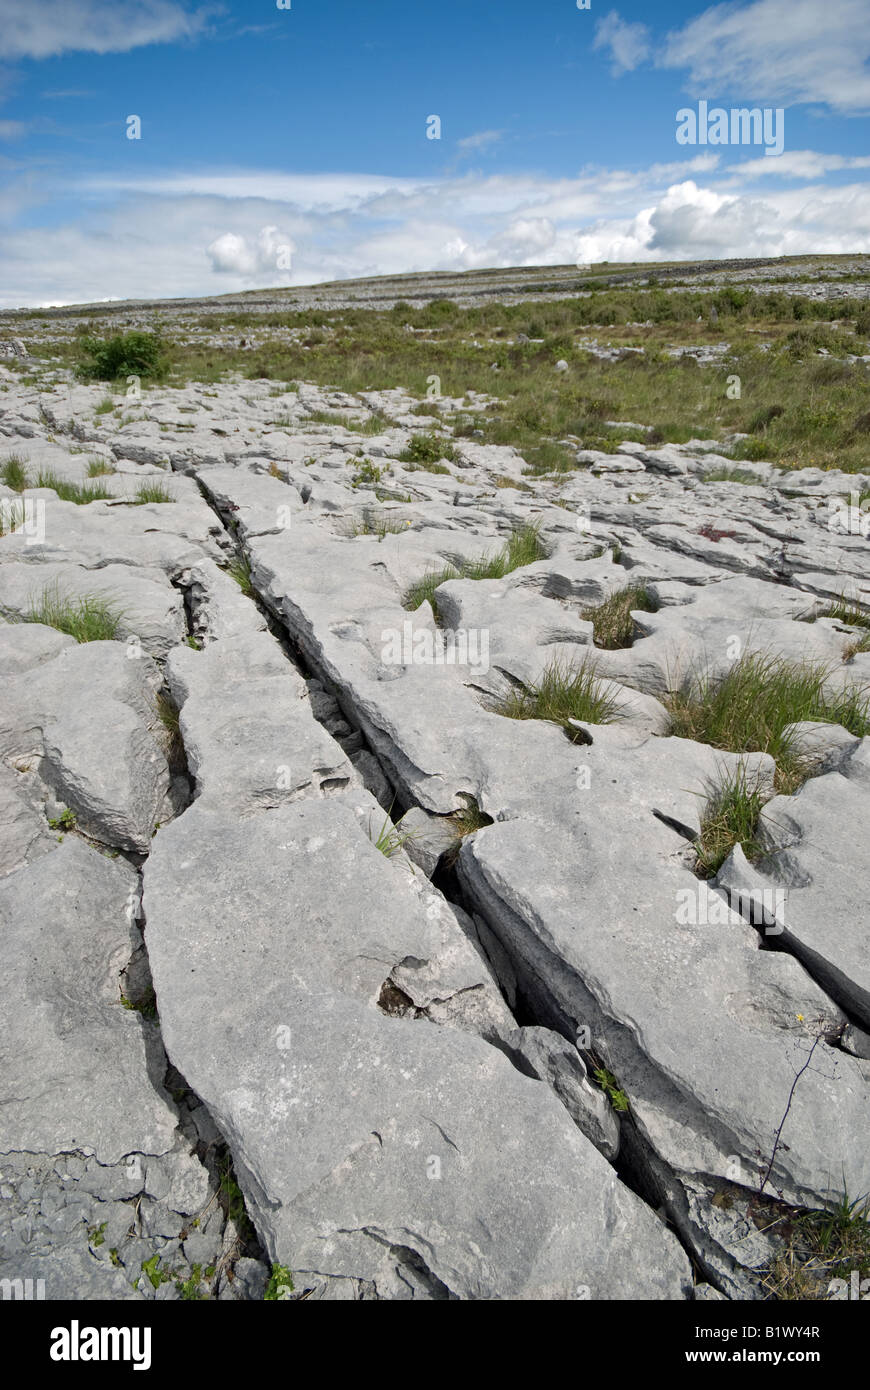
(800, 164)
(46, 28)
(782, 51)
(628, 43)
(270, 254)
(11, 130)
(160, 239)
(483, 140)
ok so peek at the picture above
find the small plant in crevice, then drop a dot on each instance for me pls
(565, 691)
(390, 839)
(232, 1199)
(613, 627)
(80, 493)
(366, 472)
(730, 818)
(825, 1254)
(66, 821)
(100, 468)
(168, 715)
(611, 1088)
(240, 571)
(280, 1284)
(465, 822)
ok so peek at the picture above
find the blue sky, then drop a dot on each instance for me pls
(287, 146)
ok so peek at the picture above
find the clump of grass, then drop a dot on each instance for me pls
(847, 611)
(168, 715)
(820, 1247)
(522, 548)
(427, 448)
(86, 617)
(751, 707)
(612, 624)
(465, 822)
(152, 492)
(240, 571)
(80, 493)
(730, 818)
(504, 481)
(13, 473)
(99, 468)
(565, 691)
(390, 839)
(105, 407)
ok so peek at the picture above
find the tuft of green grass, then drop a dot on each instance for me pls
(750, 708)
(13, 473)
(847, 611)
(80, 493)
(390, 840)
(240, 571)
(565, 691)
(427, 448)
(523, 547)
(730, 818)
(100, 467)
(105, 406)
(153, 492)
(86, 617)
(612, 624)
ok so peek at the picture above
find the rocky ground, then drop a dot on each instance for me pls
(320, 966)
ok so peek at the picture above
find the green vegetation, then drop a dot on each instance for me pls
(821, 1247)
(123, 355)
(565, 691)
(100, 467)
(80, 493)
(523, 547)
(730, 818)
(240, 571)
(13, 473)
(153, 492)
(612, 623)
(427, 448)
(366, 472)
(611, 1088)
(390, 839)
(750, 708)
(65, 821)
(280, 1284)
(86, 617)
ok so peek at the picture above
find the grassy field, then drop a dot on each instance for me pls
(800, 401)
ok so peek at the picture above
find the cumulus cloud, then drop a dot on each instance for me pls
(629, 44)
(270, 254)
(782, 51)
(46, 28)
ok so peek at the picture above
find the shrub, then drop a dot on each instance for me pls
(124, 354)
